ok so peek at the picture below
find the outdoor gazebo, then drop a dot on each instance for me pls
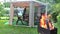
(30, 4)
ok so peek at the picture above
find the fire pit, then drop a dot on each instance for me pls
(45, 25)
(47, 31)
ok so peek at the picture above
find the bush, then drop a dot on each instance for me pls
(54, 15)
(58, 20)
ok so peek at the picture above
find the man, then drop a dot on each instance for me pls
(20, 15)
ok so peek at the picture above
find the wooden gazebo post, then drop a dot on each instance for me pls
(31, 14)
(11, 14)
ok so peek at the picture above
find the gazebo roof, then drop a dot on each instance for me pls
(26, 3)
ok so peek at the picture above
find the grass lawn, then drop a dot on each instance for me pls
(6, 29)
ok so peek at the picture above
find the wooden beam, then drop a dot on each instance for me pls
(11, 14)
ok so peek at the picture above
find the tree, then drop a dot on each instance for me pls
(55, 11)
(57, 1)
(53, 8)
(2, 10)
(50, 1)
(7, 4)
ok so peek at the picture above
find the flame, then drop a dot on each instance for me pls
(43, 23)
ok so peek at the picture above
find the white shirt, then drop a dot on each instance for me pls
(20, 11)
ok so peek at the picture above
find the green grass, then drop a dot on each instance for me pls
(6, 29)
(58, 27)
